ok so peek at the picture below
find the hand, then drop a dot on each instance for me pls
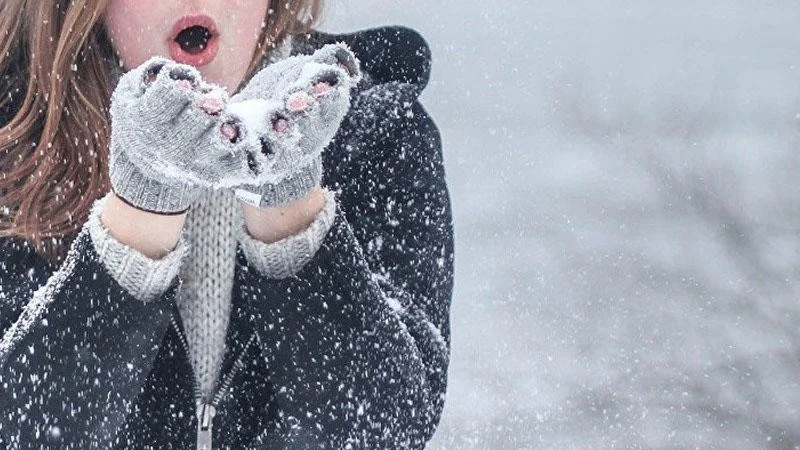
(171, 137)
(306, 97)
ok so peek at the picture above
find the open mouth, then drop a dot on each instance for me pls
(194, 40)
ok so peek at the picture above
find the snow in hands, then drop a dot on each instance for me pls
(308, 96)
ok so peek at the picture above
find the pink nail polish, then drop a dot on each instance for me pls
(299, 101)
(212, 106)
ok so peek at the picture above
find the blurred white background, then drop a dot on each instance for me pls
(624, 182)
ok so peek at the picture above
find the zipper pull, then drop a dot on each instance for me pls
(205, 417)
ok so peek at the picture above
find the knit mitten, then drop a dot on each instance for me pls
(308, 96)
(171, 137)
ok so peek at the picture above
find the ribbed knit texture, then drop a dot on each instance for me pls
(145, 278)
(286, 257)
(130, 184)
(286, 191)
(204, 298)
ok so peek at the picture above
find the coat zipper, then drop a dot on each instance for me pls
(207, 410)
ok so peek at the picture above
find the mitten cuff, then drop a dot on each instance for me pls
(294, 187)
(287, 257)
(145, 278)
(146, 193)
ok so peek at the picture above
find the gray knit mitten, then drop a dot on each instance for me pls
(171, 137)
(307, 98)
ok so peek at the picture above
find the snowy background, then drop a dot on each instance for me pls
(624, 177)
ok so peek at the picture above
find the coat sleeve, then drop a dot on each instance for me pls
(76, 348)
(357, 342)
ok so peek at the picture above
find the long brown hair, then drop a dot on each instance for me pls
(55, 85)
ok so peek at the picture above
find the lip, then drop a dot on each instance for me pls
(207, 55)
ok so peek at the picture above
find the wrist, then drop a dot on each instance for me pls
(272, 224)
(154, 235)
(119, 197)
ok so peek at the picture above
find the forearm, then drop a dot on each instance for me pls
(360, 369)
(273, 224)
(77, 355)
(154, 235)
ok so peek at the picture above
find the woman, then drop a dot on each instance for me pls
(199, 308)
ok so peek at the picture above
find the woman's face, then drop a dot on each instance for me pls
(216, 36)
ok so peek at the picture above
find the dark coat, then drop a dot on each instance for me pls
(352, 352)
